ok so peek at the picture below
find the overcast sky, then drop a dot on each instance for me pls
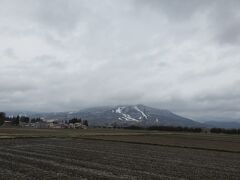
(61, 55)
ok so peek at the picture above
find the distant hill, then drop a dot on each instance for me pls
(124, 115)
(134, 115)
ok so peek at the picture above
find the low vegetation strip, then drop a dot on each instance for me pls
(217, 142)
(65, 133)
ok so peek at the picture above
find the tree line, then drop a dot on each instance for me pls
(225, 131)
(16, 119)
(166, 128)
(183, 129)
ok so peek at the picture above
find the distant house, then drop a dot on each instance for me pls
(23, 124)
(52, 124)
(76, 126)
(40, 124)
(7, 124)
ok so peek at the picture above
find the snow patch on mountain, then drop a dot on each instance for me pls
(126, 117)
(143, 114)
(119, 110)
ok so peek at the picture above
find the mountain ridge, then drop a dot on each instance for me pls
(124, 115)
(133, 115)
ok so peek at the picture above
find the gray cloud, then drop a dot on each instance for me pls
(65, 55)
(177, 10)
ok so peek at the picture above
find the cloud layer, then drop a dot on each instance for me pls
(64, 55)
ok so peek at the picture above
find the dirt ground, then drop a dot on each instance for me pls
(217, 142)
(55, 158)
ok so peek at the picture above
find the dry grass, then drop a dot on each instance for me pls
(218, 142)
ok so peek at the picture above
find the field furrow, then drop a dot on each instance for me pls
(97, 159)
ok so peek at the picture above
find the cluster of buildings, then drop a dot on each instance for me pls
(54, 124)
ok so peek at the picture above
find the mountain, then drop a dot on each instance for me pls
(223, 124)
(124, 115)
(132, 115)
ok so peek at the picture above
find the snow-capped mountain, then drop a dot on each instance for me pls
(133, 115)
(123, 115)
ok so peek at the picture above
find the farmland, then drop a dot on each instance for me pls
(117, 154)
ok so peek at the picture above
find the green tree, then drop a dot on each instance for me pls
(2, 118)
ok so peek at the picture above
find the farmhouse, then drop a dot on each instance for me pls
(40, 124)
(76, 126)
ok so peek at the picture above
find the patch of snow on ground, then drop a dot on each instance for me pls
(143, 114)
